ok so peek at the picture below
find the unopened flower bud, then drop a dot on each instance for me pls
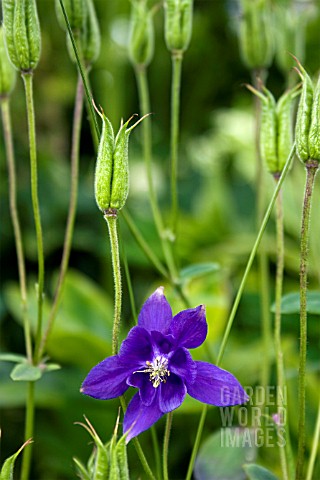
(112, 168)
(76, 11)
(178, 24)
(276, 127)
(7, 72)
(141, 39)
(308, 119)
(22, 33)
(256, 45)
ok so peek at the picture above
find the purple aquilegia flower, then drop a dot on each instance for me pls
(155, 359)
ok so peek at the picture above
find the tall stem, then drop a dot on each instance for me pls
(238, 298)
(277, 325)
(166, 445)
(7, 131)
(113, 234)
(28, 433)
(27, 79)
(263, 263)
(75, 147)
(311, 167)
(142, 82)
(175, 112)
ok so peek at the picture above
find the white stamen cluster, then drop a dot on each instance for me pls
(157, 369)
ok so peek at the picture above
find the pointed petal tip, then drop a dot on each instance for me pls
(159, 291)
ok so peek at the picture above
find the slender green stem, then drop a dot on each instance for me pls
(177, 57)
(197, 441)
(137, 446)
(142, 82)
(129, 284)
(156, 450)
(27, 79)
(75, 147)
(95, 131)
(113, 234)
(277, 325)
(166, 445)
(28, 433)
(315, 446)
(311, 167)
(238, 298)
(7, 131)
(253, 254)
(263, 262)
(143, 244)
(143, 90)
(143, 459)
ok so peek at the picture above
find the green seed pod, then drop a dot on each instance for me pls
(285, 125)
(178, 24)
(304, 116)
(104, 165)
(22, 33)
(256, 44)
(91, 38)
(7, 72)
(121, 451)
(112, 168)
(314, 132)
(141, 39)
(76, 11)
(276, 127)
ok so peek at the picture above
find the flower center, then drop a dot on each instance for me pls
(157, 369)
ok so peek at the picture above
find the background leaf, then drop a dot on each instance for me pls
(222, 455)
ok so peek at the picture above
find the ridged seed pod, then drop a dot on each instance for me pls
(285, 125)
(178, 24)
(141, 38)
(91, 38)
(7, 72)
(276, 137)
(314, 132)
(304, 116)
(76, 11)
(256, 36)
(112, 167)
(22, 33)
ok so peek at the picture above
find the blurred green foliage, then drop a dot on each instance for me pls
(217, 224)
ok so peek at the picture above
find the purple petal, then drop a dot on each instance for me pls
(172, 393)
(156, 313)
(162, 344)
(146, 389)
(107, 379)
(181, 364)
(139, 418)
(136, 348)
(216, 386)
(189, 327)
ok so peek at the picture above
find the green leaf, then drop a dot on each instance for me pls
(222, 455)
(198, 270)
(290, 303)
(24, 372)
(8, 466)
(84, 321)
(255, 472)
(12, 357)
